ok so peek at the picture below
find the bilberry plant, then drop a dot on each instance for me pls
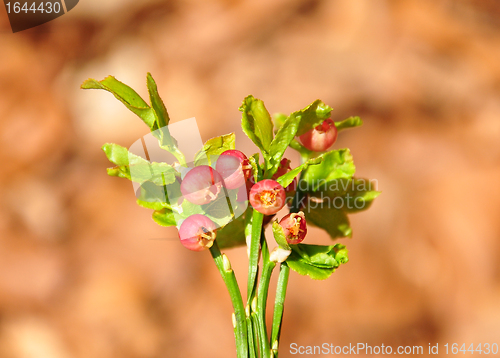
(224, 198)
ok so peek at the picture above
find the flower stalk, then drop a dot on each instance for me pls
(262, 294)
(240, 329)
(279, 305)
(253, 260)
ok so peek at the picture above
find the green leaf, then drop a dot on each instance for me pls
(329, 204)
(127, 96)
(316, 261)
(233, 234)
(215, 146)
(361, 200)
(281, 142)
(116, 154)
(279, 236)
(336, 164)
(311, 116)
(256, 123)
(296, 124)
(218, 210)
(162, 118)
(158, 173)
(164, 217)
(356, 194)
(256, 169)
(155, 205)
(287, 179)
(231, 231)
(350, 122)
(329, 218)
(157, 197)
(135, 168)
(219, 145)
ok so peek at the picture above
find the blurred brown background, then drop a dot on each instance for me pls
(85, 272)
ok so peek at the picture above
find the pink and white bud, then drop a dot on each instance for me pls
(282, 170)
(234, 168)
(197, 232)
(321, 138)
(267, 197)
(295, 227)
(201, 185)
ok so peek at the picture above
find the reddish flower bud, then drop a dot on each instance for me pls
(234, 168)
(320, 138)
(267, 197)
(201, 185)
(294, 226)
(197, 232)
(282, 170)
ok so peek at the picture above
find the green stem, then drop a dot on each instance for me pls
(240, 325)
(169, 143)
(262, 303)
(179, 156)
(255, 326)
(251, 338)
(253, 260)
(279, 306)
(260, 340)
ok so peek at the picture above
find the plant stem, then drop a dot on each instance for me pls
(251, 338)
(262, 303)
(240, 326)
(256, 333)
(263, 347)
(253, 260)
(279, 307)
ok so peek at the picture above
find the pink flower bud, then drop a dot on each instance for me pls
(201, 185)
(294, 226)
(197, 232)
(234, 168)
(267, 197)
(282, 170)
(320, 138)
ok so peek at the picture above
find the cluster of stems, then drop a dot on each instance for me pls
(249, 320)
(252, 336)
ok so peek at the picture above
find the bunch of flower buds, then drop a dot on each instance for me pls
(202, 184)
